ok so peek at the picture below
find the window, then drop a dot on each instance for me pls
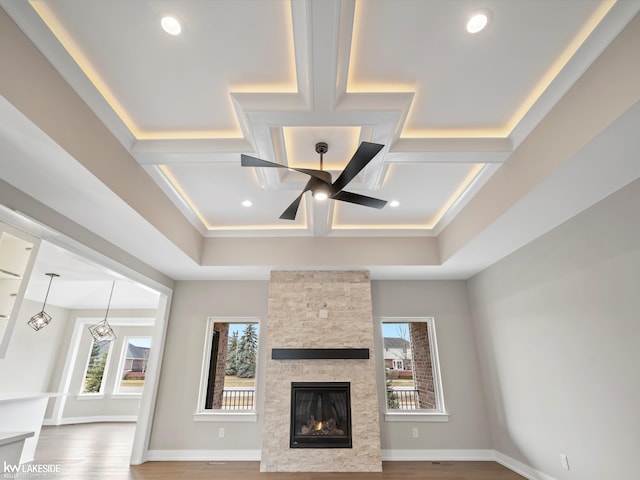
(96, 368)
(133, 365)
(229, 368)
(411, 366)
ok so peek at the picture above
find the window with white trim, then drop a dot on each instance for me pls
(96, 368)
(412, 369)
(133, 365)
(228, 380)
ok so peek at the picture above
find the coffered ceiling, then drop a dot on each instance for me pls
(272, 78)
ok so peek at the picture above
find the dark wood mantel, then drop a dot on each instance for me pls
(320, 353)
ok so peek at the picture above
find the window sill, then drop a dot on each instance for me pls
(416, 416)
(90, 396)
(225, 417)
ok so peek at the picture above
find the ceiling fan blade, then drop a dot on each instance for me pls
(248, 161)
(365, 153)
(323, 176)
(292, 210)
(359, 199)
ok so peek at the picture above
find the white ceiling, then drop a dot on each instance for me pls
(83, 284)
(270, 79)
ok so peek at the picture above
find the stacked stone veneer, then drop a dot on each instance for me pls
(295, 300)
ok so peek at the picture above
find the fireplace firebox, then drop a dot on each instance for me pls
(320, 415)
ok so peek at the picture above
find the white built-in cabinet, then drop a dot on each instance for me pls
(17, 255)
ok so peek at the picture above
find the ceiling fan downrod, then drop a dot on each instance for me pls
(321, 148)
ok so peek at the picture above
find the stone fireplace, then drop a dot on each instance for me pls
(325, 319)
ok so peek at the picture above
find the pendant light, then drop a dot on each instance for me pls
(42, 319)
(102, 331)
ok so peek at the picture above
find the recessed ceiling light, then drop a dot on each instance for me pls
(479, 21)
(247, 203)
(394, 203)
(171, 24)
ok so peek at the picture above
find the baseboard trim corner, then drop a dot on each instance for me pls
(520, 468)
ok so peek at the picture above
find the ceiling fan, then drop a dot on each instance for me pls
(320, 184)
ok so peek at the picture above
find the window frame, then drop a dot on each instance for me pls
(438, 414)
(105, 373)
(213, 415)
(116, 386)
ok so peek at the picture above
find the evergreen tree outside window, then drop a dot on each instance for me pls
(229, 368)
(96, 365)
(232, 354)
(247, 351)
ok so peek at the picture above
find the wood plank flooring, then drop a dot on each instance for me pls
(102, 450)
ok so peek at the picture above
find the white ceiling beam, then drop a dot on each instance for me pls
(325, 29)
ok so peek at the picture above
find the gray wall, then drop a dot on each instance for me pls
(32, 356)
(194, 301)
(177, 399)
(558, 331)
(446, 301)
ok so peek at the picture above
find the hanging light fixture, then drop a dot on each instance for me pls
(102, 331)
(42, 319)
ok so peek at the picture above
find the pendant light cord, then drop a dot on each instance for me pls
(50, 275)
(110, 296)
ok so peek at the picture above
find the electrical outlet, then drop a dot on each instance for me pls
(565, 461)
(323, 313)
(221, 432)
(415, 432)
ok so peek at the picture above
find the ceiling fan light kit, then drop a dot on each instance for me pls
(321, 184)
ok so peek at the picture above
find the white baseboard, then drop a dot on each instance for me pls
(93, 419)
(520, 468)
(437, 455)
(254, 455)
(434, 455)
(203, 455)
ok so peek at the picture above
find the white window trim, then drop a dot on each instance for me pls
(203, 415)
(89, 396)
(105, 373)
(416, 416)
(225, 416)
(438, 414)
(123, 354)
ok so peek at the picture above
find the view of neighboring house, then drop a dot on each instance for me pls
(136, 360)
(397, 353)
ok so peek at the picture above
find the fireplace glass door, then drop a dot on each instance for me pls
(320, 415)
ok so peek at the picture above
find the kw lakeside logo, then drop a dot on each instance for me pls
(28, 470)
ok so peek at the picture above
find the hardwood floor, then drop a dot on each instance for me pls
(102, 450)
